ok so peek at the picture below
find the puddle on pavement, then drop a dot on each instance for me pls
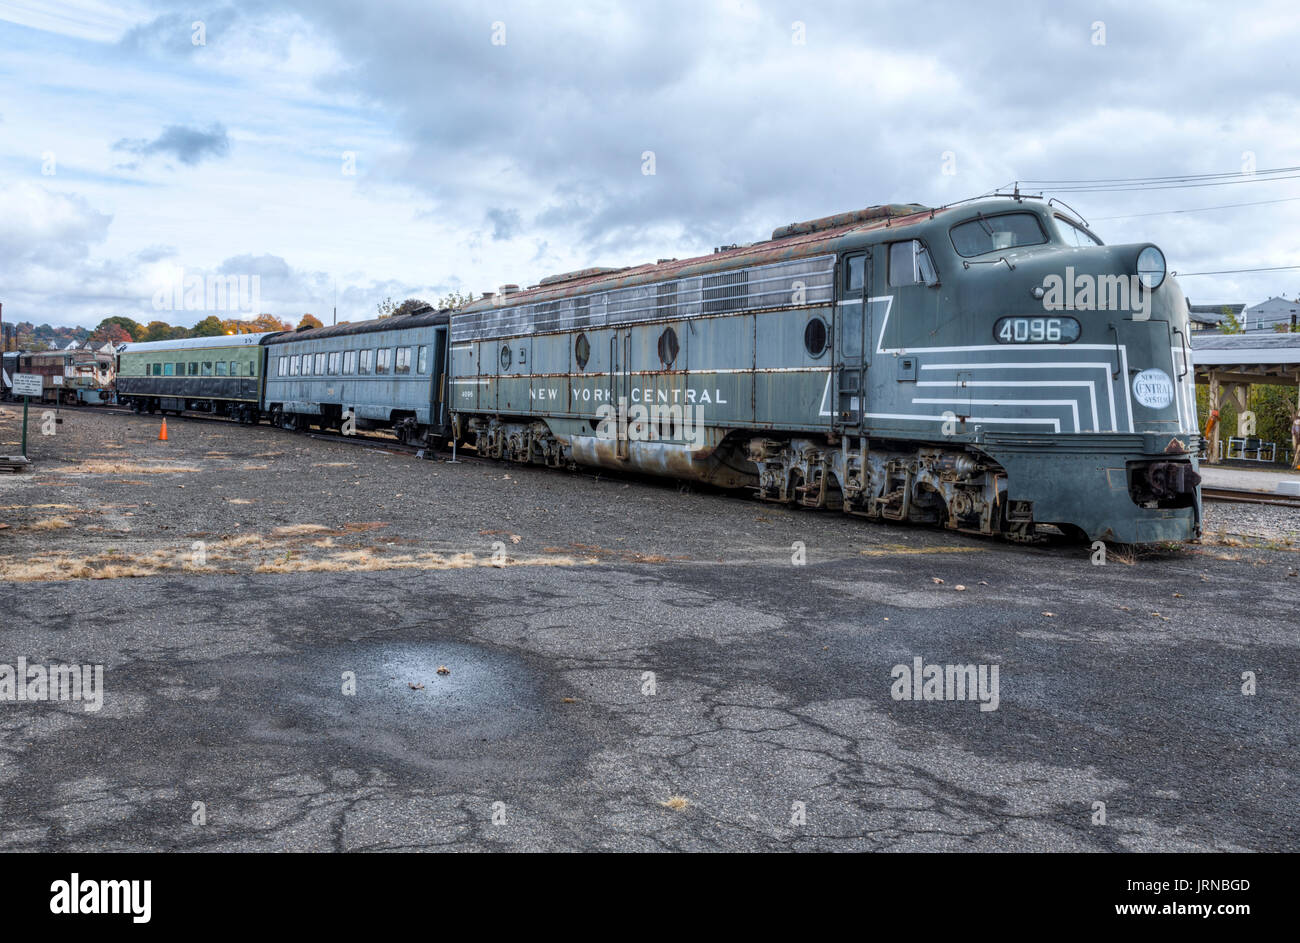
(486, 697)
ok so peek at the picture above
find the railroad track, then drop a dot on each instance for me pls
(385, 444)
(1231, 495)
(1248, 497)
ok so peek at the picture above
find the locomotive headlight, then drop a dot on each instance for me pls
(1151, 268)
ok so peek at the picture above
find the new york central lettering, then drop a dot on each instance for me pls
(677, 396)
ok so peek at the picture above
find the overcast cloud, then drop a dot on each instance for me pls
(346, 152)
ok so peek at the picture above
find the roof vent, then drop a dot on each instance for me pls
(580, 273)
(847, 219)
(489, 294)
(509, 289)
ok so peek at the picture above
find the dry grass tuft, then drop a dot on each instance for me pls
(242, 540)
(897, 550)
(367, 560)
(50, 523)
(39, 507)
(676, 803)
(124, 468)
(299, 530)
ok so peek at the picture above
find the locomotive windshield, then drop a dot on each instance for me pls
(991, 233)
(1076, 235)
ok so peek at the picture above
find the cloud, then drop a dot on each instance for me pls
(45, 229)
(264, 266)
(485, 162)
(188, 145)
(505, 223)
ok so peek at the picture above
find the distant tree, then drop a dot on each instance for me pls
(1231, 324)
(455, 299)
(132, 327)
(208, 327)
(309, 320)
(108, 333)
(157, 331)
(268, 322)
(386, 307)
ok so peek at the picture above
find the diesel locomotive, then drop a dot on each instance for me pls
(989, 366)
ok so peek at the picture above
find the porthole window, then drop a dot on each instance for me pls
(814, 337)
(668, 346)
(505, 357)
(582, 351)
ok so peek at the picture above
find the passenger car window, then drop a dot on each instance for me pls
(282, 369)
(334, 361)
(221, 368)
(991, 233)
(423, 366)
(169, 369)
(234, 368)
(350, 362)
(403, 360)
(192, 368)
(910, 264)
(207, 368)
(367, 358)
(294, 364)
(252, 368)
(320, 365)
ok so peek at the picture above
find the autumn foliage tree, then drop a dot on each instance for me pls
(108, 333)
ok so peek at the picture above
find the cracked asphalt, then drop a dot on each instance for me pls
(648, 670)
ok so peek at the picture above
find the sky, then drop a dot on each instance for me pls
(346, 152)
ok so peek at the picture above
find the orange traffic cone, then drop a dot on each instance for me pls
(162, 433)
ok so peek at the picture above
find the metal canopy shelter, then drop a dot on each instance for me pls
(1230, 364)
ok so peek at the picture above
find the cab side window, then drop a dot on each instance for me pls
(910, 264)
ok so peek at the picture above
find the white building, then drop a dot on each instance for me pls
(1268, 314)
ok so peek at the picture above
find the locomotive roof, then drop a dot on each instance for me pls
(831, 234)
(422, 318)
(191, 343)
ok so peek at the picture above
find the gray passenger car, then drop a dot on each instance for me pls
(386, 373)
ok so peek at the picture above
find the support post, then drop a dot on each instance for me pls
(1213, 453)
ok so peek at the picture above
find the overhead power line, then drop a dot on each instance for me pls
(1167, 179)
(1169, 186)
(1200, 209)
(1236, 271)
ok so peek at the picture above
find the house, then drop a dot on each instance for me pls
(1267, 315)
